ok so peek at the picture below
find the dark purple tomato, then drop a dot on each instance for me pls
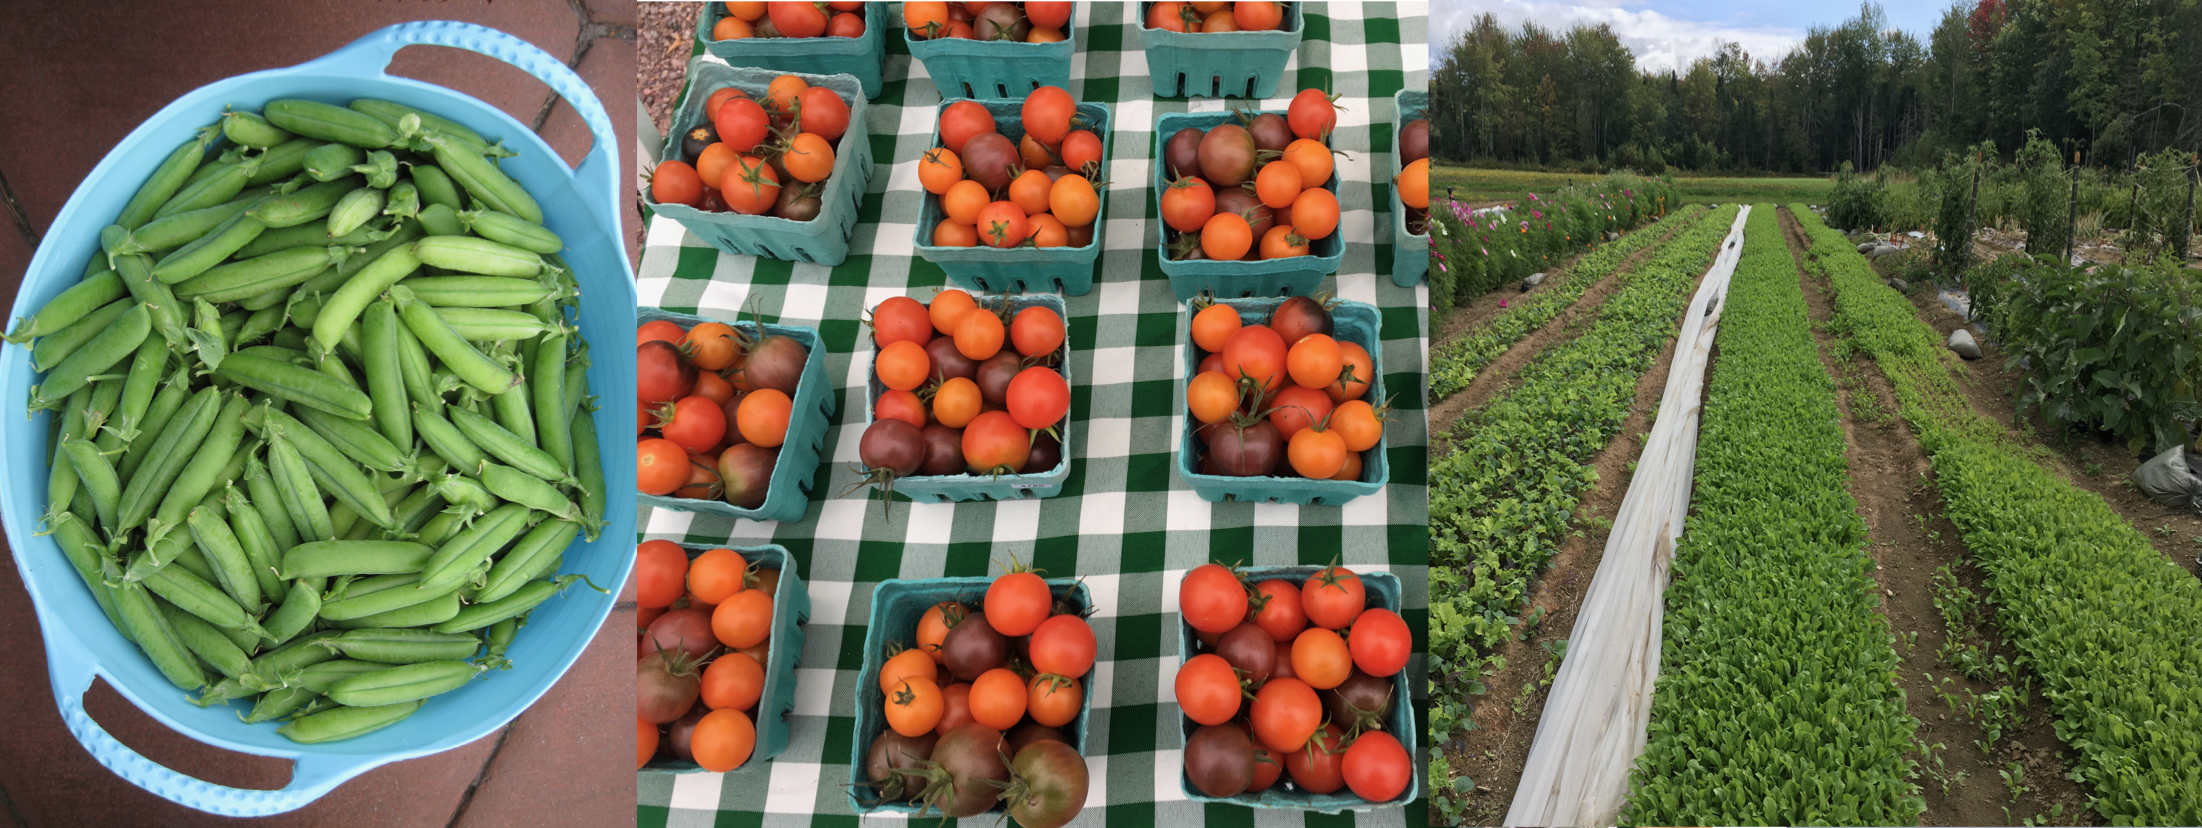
(892, 751)
(679, 735)
(746, 470)
(1182, 153)
(987, 159)
(1252, 451)
(1299, 316)
(972, 647)
(943, 450)
(798, 203)
(995, 372)
(1025, 734)
(1220, 760)
(969, 773)
(1227, 156)
(948, 362)
(892, 444)
(1363, 701)
(1002, 22)
(1414, 141)
(1237, 201)
(1047, 786)
(776, 362)
(1047, 453)
(1248, 647)
(1271, 132)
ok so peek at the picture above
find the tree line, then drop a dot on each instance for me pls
(2108, 79)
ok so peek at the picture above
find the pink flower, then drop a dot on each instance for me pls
(1502, 303)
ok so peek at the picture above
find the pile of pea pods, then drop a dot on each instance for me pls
(323, 434)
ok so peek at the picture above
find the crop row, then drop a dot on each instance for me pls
(2107, 623)
(1503, 499)
(1474, 253)
(1777, 701)
(1456, 365)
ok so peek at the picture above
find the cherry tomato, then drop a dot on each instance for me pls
(933, 626)
(742, 124)
(718, 98)
(696, 424)
(1212, 599)
(1356, 364)
(1038, 397)
(1080, 148)
(1036, 330)
(1017, 603)
(646, 742)
(1280, 614)
(1315, 213)
(1048, 231)
(938, 169)
(964, 201)
(961, 120)
(1003, 224)
(716, 575)
(1072, 199)
(1358, 424)
(903, 365)
(1277, 184)
(1063, 645)
(1053, 700)
(846, 24)
(1208, 690)
(1312, 113)
(950, 234)
(1413, 183)
(914, 706)
(1226, 237)
(1047, 114)
(979, 334)
(733, 682)
(1258, 353)
(1319, 769)
(955, 707)
(895, 404)
(1169, 17)
(674, 182)
(1286, 711)
(1187, 204)
(660, 568)
(1381, 642)
(1376, 767)
(723, 739)
(703, 478)
(1313, 160)
(1029, 191)
(1214, 325)
(1320, 658)
(925, 20)
(712, 387)
(661, 466)
(1051, 15)
(1314, 361)
(659, 330)
(907, 664)
(998, 699)
(899, 319)
(995, 442)
(947, 307)
(752, 11)
(1333, 598)
(1295, 408)
(809, 158)
(749, 186)
(956, 402)
(744, 620)
(1257, 16)
(762, 417)
(1211, 396)
(797, 19)
(1282, 242)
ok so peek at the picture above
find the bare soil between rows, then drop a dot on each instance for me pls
(1495, 752)
(1909, 539)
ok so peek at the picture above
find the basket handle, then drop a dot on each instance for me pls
(597, 177)
(312, 774)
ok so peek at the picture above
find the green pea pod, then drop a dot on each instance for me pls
(120, 339)
(259, 325)
(520, 487)
(172, 396)
(232, 569)
(438, 220)
(490, 324)
(209, 251)
(354, 209)
(247, 128)
(538, 553)
(272, 666)
(468, 254)
(481, 178)
(246, 278)
(96, 476)
(304, 205)
(167, 179)
(329, 162)
(332, 469)
(206, 642)
(458, 557)
(209, 459)
(301, 498)
(180, 552)
(81, 299)
(436, 187)
(282, 161)
(454, 488)
(382, 593)
(385, 375)
(380, 168)
(180, 229)
(358, 442)
(498, 640)
(50, 350)
(168, 314)
(512, 230)
(419, 506)
(155, 637)
(526, 598)
(394, 114)
(345, 305)
(475, 291)
(445, 524)
(301, 605)
(61, 480)
(404, 646)
(260, 489)
(403, 684)
(368, 557)
(254, 539)
(514, 450)
(291, 383)
(553, 428)
(314, 119)
(222, 183)
(280, 703)
(470, 364)
(404, 200)
(171, 451)
(194, 595)
(346, 722)
(286, 238)
(86, 552)
(424, 614)
(511, 410)
(590, 470)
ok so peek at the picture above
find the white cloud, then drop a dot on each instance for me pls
(1659, 41)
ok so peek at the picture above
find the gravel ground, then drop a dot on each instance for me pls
(667, 31)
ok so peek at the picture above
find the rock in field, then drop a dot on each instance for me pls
(1962, 342)
(1866, 248)
(1533, 280)
(1900, 285)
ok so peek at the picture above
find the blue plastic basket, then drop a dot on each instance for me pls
(1382, 589)
(822, 240)
(582, 205)
(1296, 276)
(859, 57)
(950, 488)
(1068, 270)
(789, 495)
(989, 69)
(1356, 323)
(1410, 253)
(790, 611)
(1221, 64)
(896, 608)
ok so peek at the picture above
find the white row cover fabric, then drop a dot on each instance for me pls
(1594, 720)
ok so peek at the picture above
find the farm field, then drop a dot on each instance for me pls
(1481, 185)
(1973, 587)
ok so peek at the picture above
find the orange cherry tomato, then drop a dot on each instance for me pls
(1218, 21)
(712, 387)
(947, 307)
(751, 12)
(1030, 191)
(924, 20)
(750, 186)
(957, 402)
(1351, 470)
(979, 334)
(1041, 34)
(1214, 325)
(1054, 700)
(1034, 154)
(710, 345)
(1226, 237)
(1359, 367)
(733, 682)
(903, 365)
(1283, 242)
(762, 417)
(1003, 224)
(1314, 361)
(914, 706)
(1073, 200)
(711, 164)
(1036, 330)
(782, 94)
(964, 200)
(646, 742)
(1278, 184)
(1315, 213)
(660, 330)
(998, 699)
(716, 575)
(731, 28)
(900, 405)
(1211, 396)
(939, 169)
(1413, 182)
(1257, 17)
(661, 466)
(1358, 424)
(1320, 657)
(950, 234)
(723, 740)
(1312, 158)
(674, 182)
(809, 158)
(933, 626)
(1319, 455)
(906, 665)
(1297, 407)
(1048, 231)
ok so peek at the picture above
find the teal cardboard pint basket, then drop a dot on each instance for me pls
(582, 205)
(950, 488)
(896, 608)
(1382, 589)
(1356, 323)
(1410, 253)
(822, 240)
(995, 69)
(790, 611)
(1221, 64)
(857, 57)
(1067, 270)
(788, 496)
(1295, 276)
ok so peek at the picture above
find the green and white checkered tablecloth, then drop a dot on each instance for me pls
(1125, 522)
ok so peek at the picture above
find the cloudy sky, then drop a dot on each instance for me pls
(1668, 34)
